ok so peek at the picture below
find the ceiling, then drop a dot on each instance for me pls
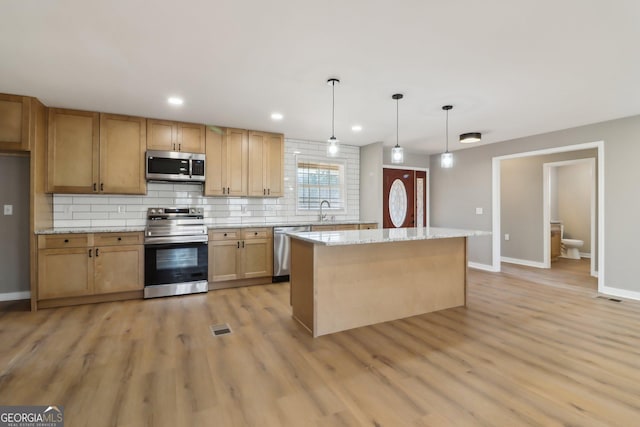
(510, 69)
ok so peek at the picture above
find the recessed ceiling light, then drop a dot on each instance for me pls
(174, 100)
(276, 116)
(356, 128)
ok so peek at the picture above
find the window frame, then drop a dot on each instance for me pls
(341, 164)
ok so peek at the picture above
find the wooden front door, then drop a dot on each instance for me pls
(398, 198)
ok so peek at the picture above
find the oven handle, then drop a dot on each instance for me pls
(176, 240)
(175, 245)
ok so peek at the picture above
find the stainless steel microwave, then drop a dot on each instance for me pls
(175, 166)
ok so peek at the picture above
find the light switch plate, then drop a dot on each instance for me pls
(506, 237)
(479, 211)
(8, 209)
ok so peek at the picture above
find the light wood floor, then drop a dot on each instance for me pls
(521, 353)
(563, 272)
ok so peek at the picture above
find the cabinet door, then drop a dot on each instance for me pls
(64, 273)
(257, 258)
(257, 160)
(224, 260)
(73, 151)
(118, 269)
(235, 167)
(122, 154)
(14, 123)
(274, 169)
(191, 138)
(215, 183)
(161, 135)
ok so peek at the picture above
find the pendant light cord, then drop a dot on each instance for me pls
(447, 131)
(333, 108)
(397, 120)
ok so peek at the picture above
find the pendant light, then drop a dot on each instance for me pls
(333, 146)
(397, 153)
(446, 158)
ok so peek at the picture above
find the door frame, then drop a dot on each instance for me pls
(546, 206)
(415, 168)
(496, 234)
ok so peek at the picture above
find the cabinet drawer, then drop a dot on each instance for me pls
(369, 226)
(224, 234)
(323, 228)
(59, 241)
(117, 239)
(256, 233)
(346, 227)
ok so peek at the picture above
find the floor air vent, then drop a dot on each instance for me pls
(610, 299)
(223, 329)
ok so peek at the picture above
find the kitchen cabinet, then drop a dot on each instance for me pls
(14, 123)
(334, 227)
(227, 162)
(95, 153)
(368, 226)
(266, 164)
(240, 254)
(83, 265)
(165, 135)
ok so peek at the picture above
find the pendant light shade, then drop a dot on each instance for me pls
(446, 159)
(397, 153)
(467, 138)
(333, 145)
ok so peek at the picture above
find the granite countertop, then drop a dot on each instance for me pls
(70, 230)
(360, 237)
(123, 229)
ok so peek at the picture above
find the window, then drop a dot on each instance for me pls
(318, 181)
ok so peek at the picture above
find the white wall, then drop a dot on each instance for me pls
(371, 182)
(574, 202)
(102, 210)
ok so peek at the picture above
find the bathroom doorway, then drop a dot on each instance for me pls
(569, 203)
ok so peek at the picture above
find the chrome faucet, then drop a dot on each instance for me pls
(323, 216)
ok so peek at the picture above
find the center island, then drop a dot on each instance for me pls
(346, 279)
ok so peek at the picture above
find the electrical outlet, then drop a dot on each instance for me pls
(506, 236)
(479, 211)
(8, 209)
(121, 209)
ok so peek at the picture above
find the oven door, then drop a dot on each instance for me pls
(173, 263)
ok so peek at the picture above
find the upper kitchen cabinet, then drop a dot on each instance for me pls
(122, 159)
(72, 163)
(92, 153)
(266, 164)
(166, 135)
(227, 162)
(14, 123)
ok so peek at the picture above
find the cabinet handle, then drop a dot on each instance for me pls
(264, 192)
(268, 191)
(225, 234)
(243, 243)
(90, 253)
(238, 245)
(174, 147)
(95, 187)
(228, 192)
(66, 240)
(255, 233)
(102, 186)
(97, 252)
(179, 147)
(119, 238)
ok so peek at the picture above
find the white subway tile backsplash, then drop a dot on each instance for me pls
(102, 210)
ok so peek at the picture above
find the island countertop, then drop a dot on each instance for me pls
(361, 237)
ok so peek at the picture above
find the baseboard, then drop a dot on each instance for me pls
(585, 255)
(14, 296)
(524, 262)
(622, 293)
(485, 267)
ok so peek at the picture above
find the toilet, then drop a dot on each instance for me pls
(570, 247)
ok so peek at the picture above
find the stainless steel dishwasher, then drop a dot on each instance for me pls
(282, 251)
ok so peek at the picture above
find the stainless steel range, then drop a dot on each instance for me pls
(175, 252)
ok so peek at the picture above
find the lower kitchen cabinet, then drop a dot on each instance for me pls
(89, 265)
(236, 254)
